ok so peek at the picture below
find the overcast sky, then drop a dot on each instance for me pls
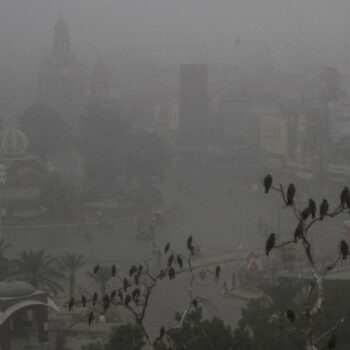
(283, 31)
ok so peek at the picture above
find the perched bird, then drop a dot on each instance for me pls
(125, 284)
(312, 207)
(344, 195)
(113, 295)
(120, 295)
(195, 303)
(136, 294)
(139, 269)
(270, 243)
(83, 300)
(94, 299)
(167, 247)
(323, 208)
(171, 273)
(290, 315)
(127, 299)
(332, 342)
(96, 268)
(344, 249)
(114, 270)
(305, 213)
(170, 259)
(299, 232)
(136, 279)
(162, 332)
(91, 317)
(189, 242)
(179, 261)
(290, 195)
(267, 183)
(71, 304)
(161, 274)
(106, 302)
(132, 270)
(217, 271)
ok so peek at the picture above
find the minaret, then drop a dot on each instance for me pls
(61, 40)
(99, 82)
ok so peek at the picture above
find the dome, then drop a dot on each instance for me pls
(13, 142)
(11, 289)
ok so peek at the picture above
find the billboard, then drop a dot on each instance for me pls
(273, 134)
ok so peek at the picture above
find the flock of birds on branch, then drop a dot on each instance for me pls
(301, 230)
(310, 211)
(135, 290)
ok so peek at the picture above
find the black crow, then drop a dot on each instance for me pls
(83, 300)
(324, 208)
(179, 261)
(290, 194)
(91, 317)
(344, 249)
(290, 315)
(167, 247)
(312, 207)
(270, 243)
(267, 183)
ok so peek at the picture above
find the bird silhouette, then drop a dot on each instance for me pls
(312, 207)
(71, 304)
(270, 243)
(96, 268)
(290, 195)
(344, 249)
(290, 315)
(125, 284)
(217, 271)
(114, 270)
(136, 279)
(179, 261)
(195, 303)
(324, 208)
(167, 247)
(83, 300)
(189, 242)
(132, 270)
(106, 302)
(127, 299)
(267, 182)
(344, 195)
(171, 273)
(139, 269)
(162, 332)
(136, 294)
(113, 295)
(305, 213)
(332, 342)
(94, 298)
(161, 274)
(170, 260)
(91, 318)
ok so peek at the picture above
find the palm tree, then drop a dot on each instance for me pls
(39, 269)
(3, 247)
(70, 263)
(4, 262)
(101, 278)
(282, 294)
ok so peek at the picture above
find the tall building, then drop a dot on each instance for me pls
(62, 77)
(193, 105)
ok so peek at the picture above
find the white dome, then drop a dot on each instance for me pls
(13, 142)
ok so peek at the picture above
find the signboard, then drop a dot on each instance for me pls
(273, 134)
